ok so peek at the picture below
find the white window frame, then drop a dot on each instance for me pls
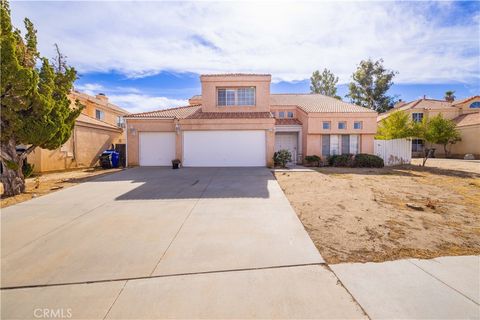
(232, 97)
(335, 147)
(354, 147)
(101, 114)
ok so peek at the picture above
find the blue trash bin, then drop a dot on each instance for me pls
(110, 159)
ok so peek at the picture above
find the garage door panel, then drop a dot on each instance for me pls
(224, 148)
(156, 148)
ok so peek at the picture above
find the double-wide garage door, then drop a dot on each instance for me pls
(239, 148)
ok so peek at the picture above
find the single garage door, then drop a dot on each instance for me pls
(156, 148)
(238, 148)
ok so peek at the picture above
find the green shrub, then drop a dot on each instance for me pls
(364, 160)
(27, 169)
(281, 157)
(313, 160)
(341, 160)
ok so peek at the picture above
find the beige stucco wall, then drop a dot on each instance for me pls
(470, 143)
(465, 107)
(135, 126)
(211, 83)
(80, 151)
(369, 123)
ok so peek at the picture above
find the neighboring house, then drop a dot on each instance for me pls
(237, 122)
(465, 112)
(100, 125)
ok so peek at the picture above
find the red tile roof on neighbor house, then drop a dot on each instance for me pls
(172, 113)
(309, 102)
(430, 104)
(287, 122)
(229, 115)
(468, 119)
(457, 102)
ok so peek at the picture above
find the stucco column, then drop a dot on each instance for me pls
(270, 145)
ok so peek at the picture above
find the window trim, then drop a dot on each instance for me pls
(101, 113)
(358, 122)
(342, 122)
(329, 125)
(236, 98)
(416, 113)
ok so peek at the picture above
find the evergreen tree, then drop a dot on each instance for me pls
(370, 84)
(324, 83)
(35, 108)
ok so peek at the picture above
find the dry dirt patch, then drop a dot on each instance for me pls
(360, 215)
(49, 182)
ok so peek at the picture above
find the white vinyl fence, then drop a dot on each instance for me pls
(394, 152)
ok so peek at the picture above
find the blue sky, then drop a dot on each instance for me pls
(148, 55)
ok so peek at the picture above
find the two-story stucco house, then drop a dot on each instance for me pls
(465, 113)
(236, 121)
(99, 126)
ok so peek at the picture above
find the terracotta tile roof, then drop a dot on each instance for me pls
(315, 103)
(464, 100)
(468, 119)
(178, 112)
(229, 115)
(86, 119)
(287, 122)
(431, 104)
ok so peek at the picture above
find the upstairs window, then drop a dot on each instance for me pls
(281, 114)
(475, 105)
(342, 125)
(326, 125)
(357, 125)
(236, 96)
(99, 114)
(120, 122)
(290, 114)
(417, 117)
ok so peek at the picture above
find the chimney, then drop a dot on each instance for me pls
(102, 97)
(424, 96)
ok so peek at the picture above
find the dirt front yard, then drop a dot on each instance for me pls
(360, 215)
(49, 182)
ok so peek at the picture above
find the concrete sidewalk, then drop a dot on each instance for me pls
(441, 288)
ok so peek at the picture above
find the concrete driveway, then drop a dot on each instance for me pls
(156, 243)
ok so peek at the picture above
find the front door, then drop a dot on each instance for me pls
(289, 141)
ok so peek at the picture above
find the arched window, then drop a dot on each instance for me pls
(475, 105)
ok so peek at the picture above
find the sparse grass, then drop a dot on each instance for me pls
(360, 215)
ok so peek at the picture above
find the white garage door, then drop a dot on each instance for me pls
(224, 148)
(157, 148)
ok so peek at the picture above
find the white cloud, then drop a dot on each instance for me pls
(140, 102)
(287, 39)
(130, 98)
